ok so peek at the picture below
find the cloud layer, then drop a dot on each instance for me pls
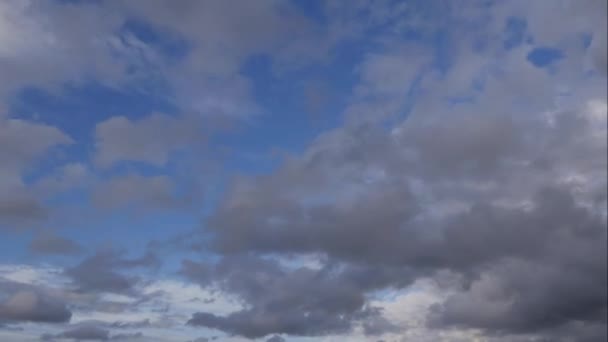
(303, 171)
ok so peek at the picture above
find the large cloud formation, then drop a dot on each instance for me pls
(459, 161)
(508, 199)
(531, 251)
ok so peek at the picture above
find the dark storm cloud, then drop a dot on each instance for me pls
(102, 272)
(25, 303)
(54, 244)
(471, 197)
(530, 270)
(274, 216)
(509, 201)
(303, 301)
(381, 223)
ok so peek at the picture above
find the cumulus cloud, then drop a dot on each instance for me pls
(22, 143)
(458, 164)
(33, 307)
(508, 199)
(297, 302)
(101, 272)
(40, 47)
(21, 302)
(119, 139)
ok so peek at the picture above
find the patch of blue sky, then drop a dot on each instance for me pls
(14, 247)
(544, 56)
(287, 122)
(172, 47)
(76, 110)
(515, 33)
(313, 9)
(122, 229)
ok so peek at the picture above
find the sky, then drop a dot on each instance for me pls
(303, 170)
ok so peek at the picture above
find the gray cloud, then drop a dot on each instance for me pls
(119, 139)
(46, 49)
(303, 301)
(23, 303)
(137, 191)
(21, 207)
(99, 331)
(200, 339)
(45, 243)
(101, 272)
(136, 336)
(86, 332)
(80, 333)
(468, 194)
(503, 191)
(21, 144)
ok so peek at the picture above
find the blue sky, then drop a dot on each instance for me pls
(284, 170)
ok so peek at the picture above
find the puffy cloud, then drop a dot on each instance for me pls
(24, 141)
(26, 302)
(496, 176)
(509, 200)
(101, 271)
(31, 306)
(21, 144)
(40, 47)
(303, 301)
(120, 139)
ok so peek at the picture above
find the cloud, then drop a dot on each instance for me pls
(81, 333)
(21, 144)
(28, 305)
(44, 49)
(508, 201)
(101, 271)
(120, 139)
(137, 336)
(303, 301)
(200, 339)
(133, 190)
(222, 32)
(455, 163)
(52, 244)
(91, 332)
(20, 208)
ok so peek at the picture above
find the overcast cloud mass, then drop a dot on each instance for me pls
(286, 170)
